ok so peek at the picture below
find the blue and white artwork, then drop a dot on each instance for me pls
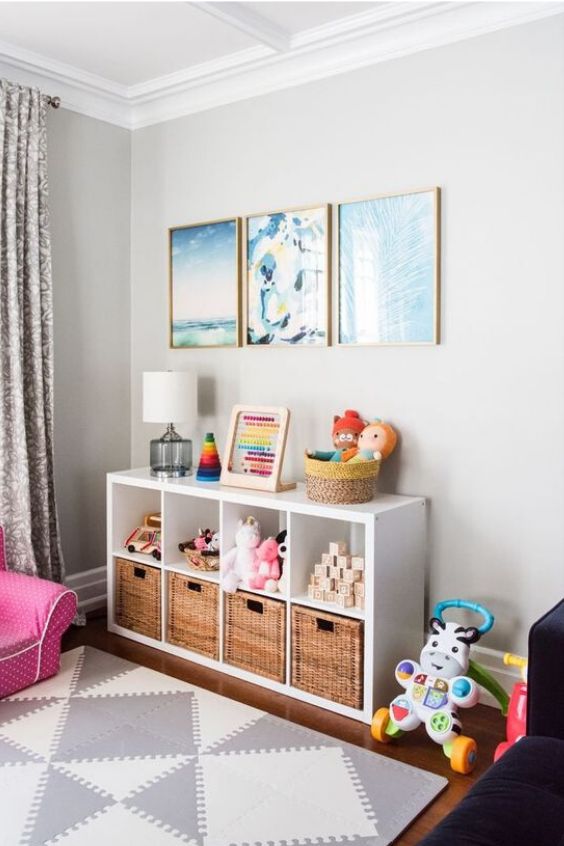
(204, 285)
(287, 278)
(388, 274)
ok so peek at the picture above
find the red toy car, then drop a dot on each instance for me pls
(145, 540)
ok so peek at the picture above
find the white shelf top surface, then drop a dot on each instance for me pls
(294, 500)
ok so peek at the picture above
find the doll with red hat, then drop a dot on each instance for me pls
(346, 432)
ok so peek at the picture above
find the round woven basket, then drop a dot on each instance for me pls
(340, 483)
(204, 563)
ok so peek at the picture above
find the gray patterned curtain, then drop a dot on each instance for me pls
(27, 496)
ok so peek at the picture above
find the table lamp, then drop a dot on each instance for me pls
(170, 397)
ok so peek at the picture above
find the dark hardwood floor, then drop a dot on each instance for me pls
(484, 724)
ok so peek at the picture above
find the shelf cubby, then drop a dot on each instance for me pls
(182, 517)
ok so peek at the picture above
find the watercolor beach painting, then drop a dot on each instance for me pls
(204, 285)
(288, 278)
(389, 269)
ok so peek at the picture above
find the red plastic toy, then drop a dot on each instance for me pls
(517, 713)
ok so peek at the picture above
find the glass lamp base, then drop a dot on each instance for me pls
(171, 458)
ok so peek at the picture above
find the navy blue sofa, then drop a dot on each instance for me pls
(519, 801)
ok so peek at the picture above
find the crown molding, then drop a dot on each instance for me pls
(376, 35)
(79, 90)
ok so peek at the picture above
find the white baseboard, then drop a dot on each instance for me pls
(90, 587)
(492, 661)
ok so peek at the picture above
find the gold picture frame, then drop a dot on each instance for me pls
(433, 291)
(225, 323)
(324, 310)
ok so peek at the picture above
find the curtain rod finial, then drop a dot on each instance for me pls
(55, 102)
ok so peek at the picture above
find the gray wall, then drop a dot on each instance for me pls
(89, 180)
(481, 416)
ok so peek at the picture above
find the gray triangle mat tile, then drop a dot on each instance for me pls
(10, 754)
(123, 741)
(259, 779)
(16, 708)
(63, 803)
(173, 800)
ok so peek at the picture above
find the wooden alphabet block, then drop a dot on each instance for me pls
(327, 584)
(345, 601)
(316, 580)
(322, 570)
(312, 579)
(359, 589)
(338, 548)
(343, 561)
(357, 562)
(352, 575)
(345, 589)
(359, 602)
(330, 596)
(334, 572)
(318, 594)
(328, 559)
(310, 591)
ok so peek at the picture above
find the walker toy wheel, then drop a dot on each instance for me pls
(380, 722)
(382, 728)
(464, 754)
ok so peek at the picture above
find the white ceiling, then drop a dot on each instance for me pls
(137, 63)
(130, 43)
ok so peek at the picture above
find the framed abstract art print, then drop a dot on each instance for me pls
(204, 296)
(389, 269)
(287, 272)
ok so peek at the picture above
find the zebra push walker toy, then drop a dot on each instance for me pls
(444, 680)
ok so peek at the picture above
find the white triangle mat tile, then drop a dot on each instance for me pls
(118, 825)
(121, 778)
(37, 733)
(229, 797)
(18, 787)
(140, 680)
(218, 718)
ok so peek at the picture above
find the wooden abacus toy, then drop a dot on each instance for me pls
(339, 578)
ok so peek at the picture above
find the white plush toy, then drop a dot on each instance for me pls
(240, 564)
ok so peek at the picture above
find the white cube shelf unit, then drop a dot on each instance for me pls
(389, 532)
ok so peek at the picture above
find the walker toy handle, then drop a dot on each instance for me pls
(469, 606)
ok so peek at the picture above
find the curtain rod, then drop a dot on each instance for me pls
(55, 102)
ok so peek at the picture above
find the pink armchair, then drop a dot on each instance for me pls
(34, 614)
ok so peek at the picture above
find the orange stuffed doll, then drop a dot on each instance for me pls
(346, 432)
(376, 441)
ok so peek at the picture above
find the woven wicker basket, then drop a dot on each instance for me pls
(138, 598)
(193, 616)
(327, 655)
(340, 483)
(255, 634)
(203, 563)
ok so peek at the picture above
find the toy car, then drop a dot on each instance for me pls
(145, 540)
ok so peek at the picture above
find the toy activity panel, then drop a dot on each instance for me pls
(255, 448)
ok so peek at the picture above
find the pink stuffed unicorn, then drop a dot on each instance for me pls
(268, 571)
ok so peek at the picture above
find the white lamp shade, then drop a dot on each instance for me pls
(169, 397)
